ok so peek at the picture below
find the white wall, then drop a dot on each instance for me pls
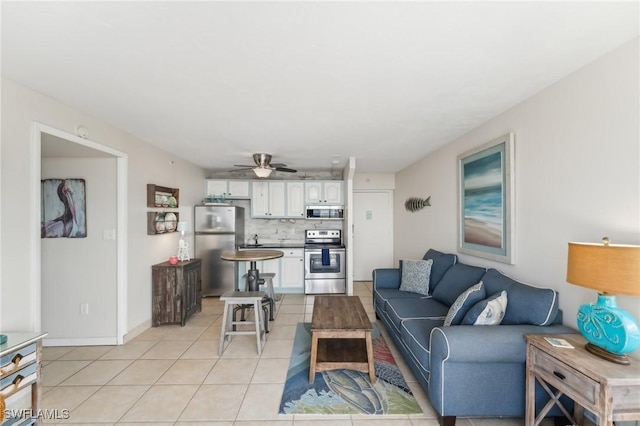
(374, 181)
(577, 166)
(82, 270)
(20, 108)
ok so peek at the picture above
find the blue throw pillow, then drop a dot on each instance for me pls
(527, 304)
(415, 276)
(441, 263)
(489, 311)
(463, 303)
(457, 279)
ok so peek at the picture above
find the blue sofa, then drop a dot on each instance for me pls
(466, 370)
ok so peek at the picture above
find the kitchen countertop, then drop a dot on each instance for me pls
(272, 245)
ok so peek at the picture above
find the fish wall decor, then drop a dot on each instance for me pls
(413, 204)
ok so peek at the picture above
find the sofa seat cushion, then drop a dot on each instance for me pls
(399, 310)
(527, 304)
(415, 334)
(456, 280)
(382, 295)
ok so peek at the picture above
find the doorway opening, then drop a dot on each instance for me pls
(57, 152)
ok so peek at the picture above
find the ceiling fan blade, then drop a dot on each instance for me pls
(242, 169)
(278, 165)
(244, 165)
(285, 169)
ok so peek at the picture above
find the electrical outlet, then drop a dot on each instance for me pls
(84, 309)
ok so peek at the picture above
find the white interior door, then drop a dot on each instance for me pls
(373, 232)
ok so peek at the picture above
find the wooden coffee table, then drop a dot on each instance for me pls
(340, 336)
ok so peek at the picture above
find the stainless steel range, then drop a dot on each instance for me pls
(324, 262)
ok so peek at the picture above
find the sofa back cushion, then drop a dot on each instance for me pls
(527, 304)
(441, 263)
(455, 281)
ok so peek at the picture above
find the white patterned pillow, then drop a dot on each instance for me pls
(463, 303)
(415, 276)
(489, 311)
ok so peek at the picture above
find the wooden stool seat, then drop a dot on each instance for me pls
(233, 298)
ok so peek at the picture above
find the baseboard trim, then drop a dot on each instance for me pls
(136, 331)
(81, 341)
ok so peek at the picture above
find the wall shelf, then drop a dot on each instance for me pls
(162, 196)
(161, 222)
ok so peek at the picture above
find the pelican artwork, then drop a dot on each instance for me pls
(66, 223)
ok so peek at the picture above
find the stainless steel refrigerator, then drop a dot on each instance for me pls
(218, 229)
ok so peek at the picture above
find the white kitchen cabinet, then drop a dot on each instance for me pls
(233, 189)
(295, 199)
(268, 199)
(292, 269)
(333, 192)
(277, 199)
(288, 270)
(238, 189)
(260, 199)
(324, 192)
(313, 192)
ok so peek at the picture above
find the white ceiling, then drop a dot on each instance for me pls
(309, 82)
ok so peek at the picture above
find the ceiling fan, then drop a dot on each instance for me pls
(263, 166)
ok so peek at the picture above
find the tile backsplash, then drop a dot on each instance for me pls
(280, 230)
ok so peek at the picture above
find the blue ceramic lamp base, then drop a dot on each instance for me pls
(611, 332)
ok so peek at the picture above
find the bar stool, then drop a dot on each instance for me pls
(270, 298)
(232, 298)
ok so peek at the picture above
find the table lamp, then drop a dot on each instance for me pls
(183, 246)
(611, 332)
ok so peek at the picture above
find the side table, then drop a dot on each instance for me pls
(176, 291)
(609, 390)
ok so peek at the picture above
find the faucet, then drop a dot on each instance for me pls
(255, 239)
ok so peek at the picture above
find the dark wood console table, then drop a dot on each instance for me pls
(176, 293)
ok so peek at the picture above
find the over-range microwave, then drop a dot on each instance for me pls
(323, 212)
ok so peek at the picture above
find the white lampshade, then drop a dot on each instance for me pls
(262, 172)
(182, 226)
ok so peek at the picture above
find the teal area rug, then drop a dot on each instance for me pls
(345, 391)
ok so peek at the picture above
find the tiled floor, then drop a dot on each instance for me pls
(172, 375)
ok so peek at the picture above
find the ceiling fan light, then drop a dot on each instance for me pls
(262, 172)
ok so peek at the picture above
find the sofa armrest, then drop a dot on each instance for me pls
(498, 343)
(386, 278)
(479, 370)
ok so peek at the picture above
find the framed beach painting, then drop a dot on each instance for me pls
(486, 197)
